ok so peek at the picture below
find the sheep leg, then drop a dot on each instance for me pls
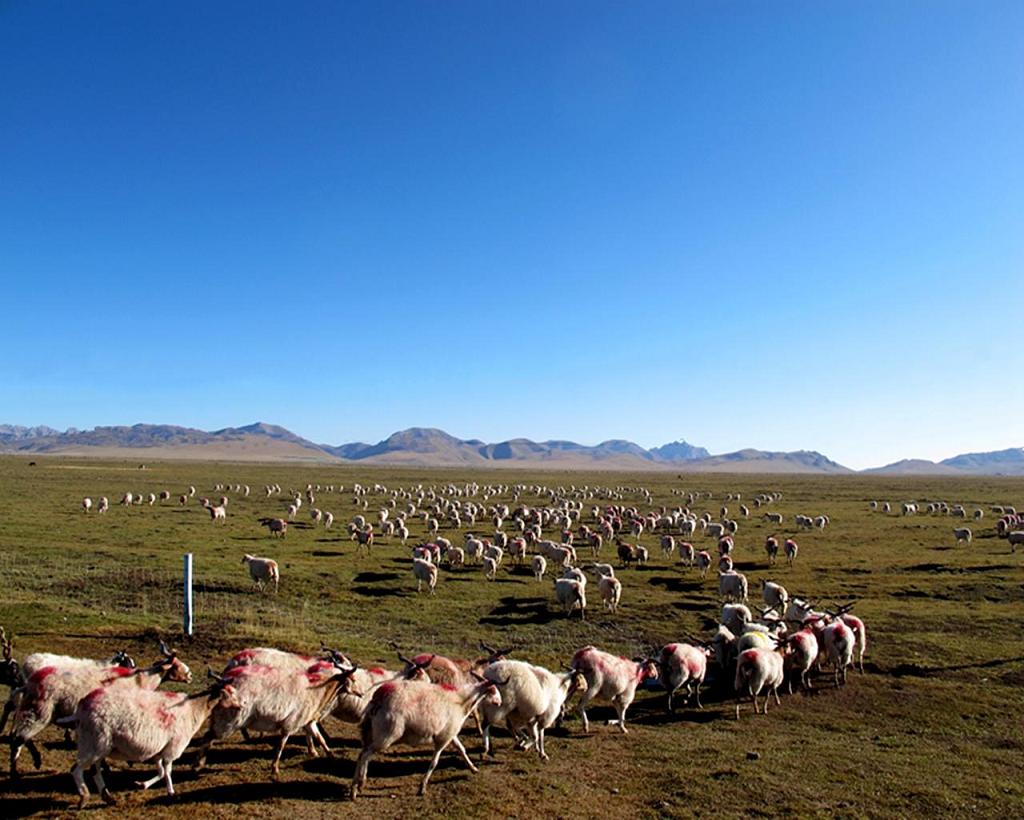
(318, 736)
(362, 765)
(538, 739)
(696, 691)
(78, 773)
(430, 769)
(108, 798)
(621, 707)
(487, 741)
(462, 751)
(167, 777)
(583, 710)
(275, 767)
(145, 784)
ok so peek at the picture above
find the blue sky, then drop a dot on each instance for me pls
(781, 225)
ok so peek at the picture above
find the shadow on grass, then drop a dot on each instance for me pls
(675, 584)
(520, 611)
(328, 554)
(913, 670)
(375, 577)
(378, 592)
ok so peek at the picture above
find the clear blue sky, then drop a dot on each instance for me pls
(782, 225)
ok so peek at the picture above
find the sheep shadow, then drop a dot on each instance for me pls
(327, 554)
(256, 792)
(512, 611)
(375, 577)
(378, 592)
(674, 584)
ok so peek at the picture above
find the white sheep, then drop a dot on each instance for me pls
(732, 585)
(612, 679)
(86, 504)
(791, 549)
(138, 725)
(418, 713)
(280, 700)
(424, 570)
(539, 566)
(262, 570)
(962, 534)
(681, 664)
(571, 594)
(532, 699)
(53, 692)
(610, 588)
(839, 642)
(757, 670)
(775, 595)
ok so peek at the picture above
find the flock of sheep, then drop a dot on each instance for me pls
(117, 711)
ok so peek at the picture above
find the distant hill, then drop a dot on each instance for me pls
(913, 466)
(256, 442)
(761, 461)
(997, 462)
(429, 446)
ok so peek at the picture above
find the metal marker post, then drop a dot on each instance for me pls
(187, 620)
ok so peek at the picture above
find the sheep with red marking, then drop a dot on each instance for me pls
(686, 553)
(532, 699)
(758, 670)
(419, 713)
(791, 549)
(860, 632)
(612, 679)
(838, 641)
(703, 563)
(800, 654)
(278, 700)
(138, 725)
(681, 664)
(53, 692)
(352, 705)
(15, 675)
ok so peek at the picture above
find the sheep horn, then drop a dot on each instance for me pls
(214, 676)
(8, 647)
(167, 653)
(405, 660)
(490, 650)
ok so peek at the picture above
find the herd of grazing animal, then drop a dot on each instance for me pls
(116, 710)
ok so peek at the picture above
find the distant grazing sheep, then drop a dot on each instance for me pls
(262, 570)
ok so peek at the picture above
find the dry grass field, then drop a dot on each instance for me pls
(932, 728)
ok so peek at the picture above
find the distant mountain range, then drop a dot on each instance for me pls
(430, 447)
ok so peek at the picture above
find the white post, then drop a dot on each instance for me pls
(187, 621)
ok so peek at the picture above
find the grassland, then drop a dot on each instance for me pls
(933, 727)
